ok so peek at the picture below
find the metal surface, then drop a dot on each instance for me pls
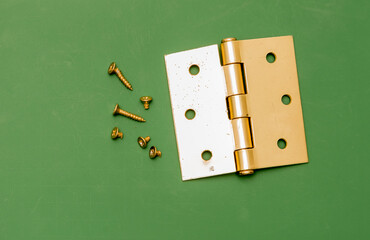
(270, 119)
(116, 133)
(146, 100)
(238, 107)
(243, 134)
(230, 51)
(244, 161)
(143, 141)
(118, 110)
(234, 79)
(154, 152)
(237, 104)
(211, 129)
(114, 69)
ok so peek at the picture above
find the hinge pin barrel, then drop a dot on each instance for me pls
(237, 105)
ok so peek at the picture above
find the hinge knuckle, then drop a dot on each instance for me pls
(234, 79)
(237, 105)
(230, 51)
(242, 133)
(244, 161)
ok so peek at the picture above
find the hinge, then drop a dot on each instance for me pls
(247, 111)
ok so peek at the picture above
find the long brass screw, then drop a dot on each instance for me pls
(122, 112)
(143, 141)
(116, 133)
(146, 100)
(154, 152)
(114, 69)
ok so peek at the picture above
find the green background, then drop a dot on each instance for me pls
(62, 177)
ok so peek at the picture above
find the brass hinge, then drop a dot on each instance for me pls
(248, 111)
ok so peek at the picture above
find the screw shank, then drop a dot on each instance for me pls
(122, 78)
(130, 115)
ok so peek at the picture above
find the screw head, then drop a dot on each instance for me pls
(147, 99)
(116, 133)
(153, 152)
(111, 68)
(115, 109)
(142, 142)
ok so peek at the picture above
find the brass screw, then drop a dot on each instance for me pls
(153, 152)
(120, 111)
(146, 100)
(246, 172)
(116, 133)
(114, 69)
(143, 141)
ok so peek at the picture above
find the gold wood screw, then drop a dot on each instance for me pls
(114, 69)
(146, 100)
(116, 133)
(120, 111)
(153, 152)
(143, 141)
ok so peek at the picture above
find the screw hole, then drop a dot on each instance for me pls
(270, 57)
(194, 69)
(281, 143)
(206, 155)
(190, 114)
(286, 99)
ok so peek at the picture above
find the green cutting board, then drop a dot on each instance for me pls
(63, 177)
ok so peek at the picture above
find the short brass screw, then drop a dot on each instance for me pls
(143, 141)
(146, 100)
(114, 69)
(153, 152)
(122, 112)
(116, 133)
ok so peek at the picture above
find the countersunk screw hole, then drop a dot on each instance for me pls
(206, 155)
(281, 143)
(194, 69)
(286, 99)
(190, 114)
(270, 57)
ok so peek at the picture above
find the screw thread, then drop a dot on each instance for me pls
(147, 139)
(146, 105)
(159, 153)
(120, 135)
(130, 115)
(122, 78)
